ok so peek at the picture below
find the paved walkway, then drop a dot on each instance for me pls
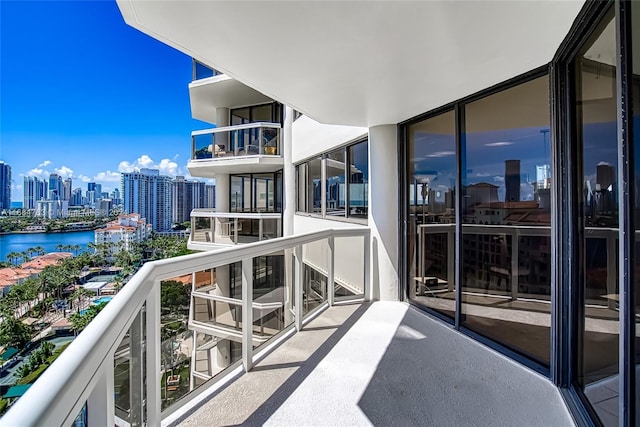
(384, 364)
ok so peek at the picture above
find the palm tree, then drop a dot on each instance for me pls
(13, 257)
(76, 249)
(59, 247)
(25, 256)
(39, 250)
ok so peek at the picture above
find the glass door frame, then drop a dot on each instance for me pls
(570, 296)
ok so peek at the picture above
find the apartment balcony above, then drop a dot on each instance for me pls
(211, 89)
(211, 229)
(251, 148)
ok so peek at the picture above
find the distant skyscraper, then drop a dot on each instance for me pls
(5, 186)
(605, 176)
(543, 177)
(33, 190)
(512, 180)
(182, 193)
(76, 197)
(209, 196)
(55, 187)
(149, 194)
(66, 189)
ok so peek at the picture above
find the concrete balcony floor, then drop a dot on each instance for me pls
(384, 363)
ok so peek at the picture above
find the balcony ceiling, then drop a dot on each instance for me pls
(361, 63)
(220, 91)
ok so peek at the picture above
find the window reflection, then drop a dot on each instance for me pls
(314, 185)
(336, 178)
(358, 175)
(432, 177)
(506, 243)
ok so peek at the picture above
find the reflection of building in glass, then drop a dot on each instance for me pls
(512, 180)
(543, 177)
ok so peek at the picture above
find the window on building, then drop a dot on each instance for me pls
(346, 177)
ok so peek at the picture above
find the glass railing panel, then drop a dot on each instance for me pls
(204, 146)
(272, 306)
(262, 139)
(130, 373)
(176, 340)
(349, 271)
(202, 230)
(201, 71)
(314, 275)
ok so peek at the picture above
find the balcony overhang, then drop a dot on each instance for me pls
(208, 168)
(220, 91)
(361, 63)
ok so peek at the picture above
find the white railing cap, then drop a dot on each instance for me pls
(254, 125)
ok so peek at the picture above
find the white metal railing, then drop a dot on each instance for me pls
(84, 372)
(250, 139)
(226, 227)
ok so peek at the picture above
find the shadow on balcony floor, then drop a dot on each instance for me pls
(387, 364)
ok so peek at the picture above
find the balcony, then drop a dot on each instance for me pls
(251, 148)
(211, 229)
(211, 89)
(138, 362)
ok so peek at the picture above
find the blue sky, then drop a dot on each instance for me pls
(87, 96)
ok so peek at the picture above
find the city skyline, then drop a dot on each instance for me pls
(72, 93)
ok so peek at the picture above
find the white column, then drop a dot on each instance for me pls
(222, 120)
(383, 211)
(288, 174)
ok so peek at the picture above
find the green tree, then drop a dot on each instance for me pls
(13, 333)
(79, 321)
(174, 296)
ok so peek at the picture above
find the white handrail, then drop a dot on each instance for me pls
(60, 393)
(254, 125)
(204, 213)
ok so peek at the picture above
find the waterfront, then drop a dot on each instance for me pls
(21, 242)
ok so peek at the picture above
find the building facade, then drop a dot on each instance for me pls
(5, 186)
(122, 233)
(149, 194)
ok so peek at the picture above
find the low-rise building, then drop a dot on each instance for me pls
(123, 232)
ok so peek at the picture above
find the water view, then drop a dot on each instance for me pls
(21, 242)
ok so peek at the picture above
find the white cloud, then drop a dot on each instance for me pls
(38, 172)
(498, 144)
(64, 171)
(44, 164)
(84, 178)
(442, 154)
(166, 166)
(107, 176)
(604, 164)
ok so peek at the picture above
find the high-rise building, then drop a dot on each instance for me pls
(76, 197)
(182, 199)
(512, 180)
(149, 194)
(66, 189)
(55, 187)
(5, 186)
(209, 196)
(34, 190)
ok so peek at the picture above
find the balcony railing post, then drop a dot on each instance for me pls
(247, 313)
(193, 147)
(331, 287)
(154, 374)
(100, 404)
(235, 230)
(260, 142)
(298, 286)
(260, 229)
(515, 269)
(136, 371)
(368, 291)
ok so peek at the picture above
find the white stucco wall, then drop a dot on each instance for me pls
(311, 138)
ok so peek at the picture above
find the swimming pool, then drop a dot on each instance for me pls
(102, 300)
